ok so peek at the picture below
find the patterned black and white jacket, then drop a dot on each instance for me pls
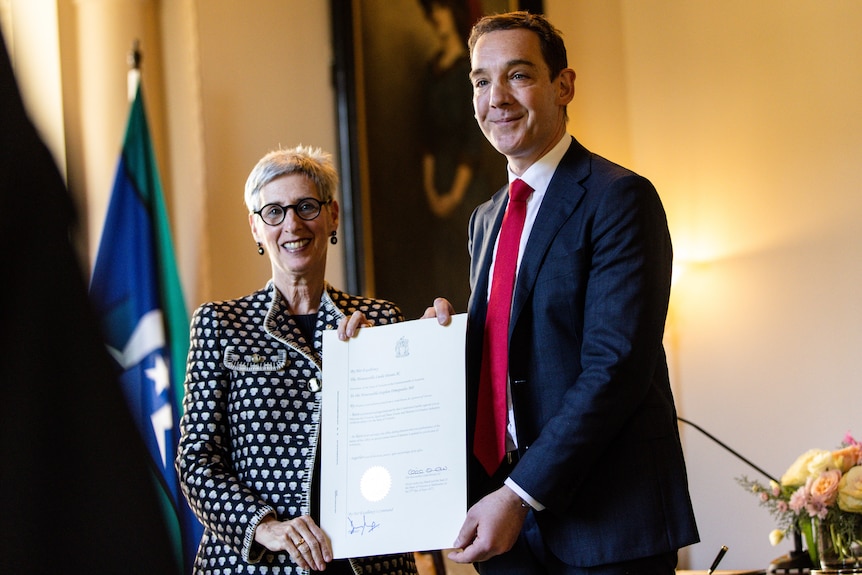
(250, 428)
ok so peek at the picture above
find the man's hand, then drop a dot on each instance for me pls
(441, 309)
(491, 527)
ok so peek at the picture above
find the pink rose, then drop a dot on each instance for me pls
(824, 488)
(817, 494)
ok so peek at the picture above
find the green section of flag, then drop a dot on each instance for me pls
(143, 170)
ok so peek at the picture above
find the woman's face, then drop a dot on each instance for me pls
(296, 247)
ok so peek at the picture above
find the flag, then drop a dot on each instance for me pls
(136, 292)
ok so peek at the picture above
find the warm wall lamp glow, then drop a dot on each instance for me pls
(690, 259)
(679, 269)
(688, 278)
(688, 293)
(684, 268)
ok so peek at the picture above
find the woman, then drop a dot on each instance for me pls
(248, 456)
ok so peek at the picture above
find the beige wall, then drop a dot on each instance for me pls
(265, 83)
(242, 79)
(744, 114)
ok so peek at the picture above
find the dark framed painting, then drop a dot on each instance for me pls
(413, 162)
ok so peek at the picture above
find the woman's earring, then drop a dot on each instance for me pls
(259, 248)
(332, 237)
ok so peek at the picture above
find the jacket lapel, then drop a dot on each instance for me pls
(282, 327)
(483, 249)
(561, 199)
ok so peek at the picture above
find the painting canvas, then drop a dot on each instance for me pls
(414, 163)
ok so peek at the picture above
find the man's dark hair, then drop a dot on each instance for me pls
(550, 40)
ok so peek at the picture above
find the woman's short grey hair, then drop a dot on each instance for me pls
(311, 162)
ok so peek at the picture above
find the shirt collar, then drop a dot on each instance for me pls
(539, 175)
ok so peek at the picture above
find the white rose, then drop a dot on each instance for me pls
(820, 462)
(798, 473)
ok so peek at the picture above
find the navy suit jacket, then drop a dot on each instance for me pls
(595, 416)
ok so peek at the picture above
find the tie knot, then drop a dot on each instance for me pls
(519, 191)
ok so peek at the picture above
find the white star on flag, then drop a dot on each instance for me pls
(163, 417)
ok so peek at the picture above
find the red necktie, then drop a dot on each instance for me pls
(489, 444)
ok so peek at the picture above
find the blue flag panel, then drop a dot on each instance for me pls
(136, 291)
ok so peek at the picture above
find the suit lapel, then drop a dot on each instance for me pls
(561, 199)
(484, 249)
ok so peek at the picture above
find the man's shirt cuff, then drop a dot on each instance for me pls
(523, 494)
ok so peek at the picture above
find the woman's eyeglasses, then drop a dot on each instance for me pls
(306, 209)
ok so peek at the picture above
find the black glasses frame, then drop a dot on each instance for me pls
(295, 207)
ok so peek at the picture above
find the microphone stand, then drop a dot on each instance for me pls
(795, 561)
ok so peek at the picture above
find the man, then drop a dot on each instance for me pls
(591, 479)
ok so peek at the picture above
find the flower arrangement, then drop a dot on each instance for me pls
(821, 491)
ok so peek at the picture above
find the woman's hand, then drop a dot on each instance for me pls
(349, 326)
(306, 543)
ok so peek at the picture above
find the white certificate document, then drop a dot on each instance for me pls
(393, 467)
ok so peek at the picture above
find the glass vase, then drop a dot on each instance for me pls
(806, 528)
(836, 551)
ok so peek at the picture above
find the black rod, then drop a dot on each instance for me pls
(724, 445)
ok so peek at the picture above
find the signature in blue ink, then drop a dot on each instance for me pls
(362, 528)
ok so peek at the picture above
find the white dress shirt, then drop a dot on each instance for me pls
(537, 176)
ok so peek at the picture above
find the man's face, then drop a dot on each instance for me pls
(520, 109)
